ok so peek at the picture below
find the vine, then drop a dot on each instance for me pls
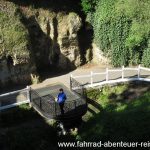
(121, 30)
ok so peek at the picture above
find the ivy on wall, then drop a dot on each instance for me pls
(122, 30)
(13, 35)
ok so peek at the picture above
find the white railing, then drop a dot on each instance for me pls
(122, 78)
(91, 77)
(11, 95)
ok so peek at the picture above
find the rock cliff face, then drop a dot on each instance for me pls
(98, 56)
(34, 39)
(55, 39)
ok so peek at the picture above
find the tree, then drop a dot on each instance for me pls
(89, 5)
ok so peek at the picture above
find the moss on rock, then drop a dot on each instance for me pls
(13, 35)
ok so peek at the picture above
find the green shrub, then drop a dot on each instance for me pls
(14, 36)
(146, 56)
(121, 29)
(88, 6)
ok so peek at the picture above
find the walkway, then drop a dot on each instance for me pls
(86, 70)
(43, 101)
(65, 79)
(85, 77)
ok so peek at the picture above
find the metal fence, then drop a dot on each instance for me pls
(49, 108)
(76, 87)
(46, 105)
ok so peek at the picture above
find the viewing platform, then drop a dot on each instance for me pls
(44, 101)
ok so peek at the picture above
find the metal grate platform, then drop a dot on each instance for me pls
(43, 100)
(53, 90)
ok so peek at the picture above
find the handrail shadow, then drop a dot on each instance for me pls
(94, 103)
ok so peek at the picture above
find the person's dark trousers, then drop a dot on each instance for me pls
(61, 108)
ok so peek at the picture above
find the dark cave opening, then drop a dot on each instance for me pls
(85, 38)
(10, 61)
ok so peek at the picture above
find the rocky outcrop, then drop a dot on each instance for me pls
(33, 39)
(15, 60)
(15, 74)
(98, 56)
(61, 29)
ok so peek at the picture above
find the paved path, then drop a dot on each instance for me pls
(86, 70)
(65, 79)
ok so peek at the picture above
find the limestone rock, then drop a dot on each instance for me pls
(89, 55)
(62, 31)
(98, 56)
(45, 38)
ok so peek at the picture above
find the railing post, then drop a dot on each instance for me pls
(55, 108)
(28, 93)
(106, 74)
(122, 72)
(139, 71)
(75, 104)
(40, 103)
(91, 78)
(85, 93)
(71, 76)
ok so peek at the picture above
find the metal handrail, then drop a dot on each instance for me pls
(53, 107)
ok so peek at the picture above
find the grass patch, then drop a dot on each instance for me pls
(119, 113)
(21, 128)
(13, 35)
(104, 94)
(17, 115)
(124, 114)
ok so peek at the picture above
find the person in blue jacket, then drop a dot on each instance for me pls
(61, 100)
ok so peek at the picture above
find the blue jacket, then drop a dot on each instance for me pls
(61, 98)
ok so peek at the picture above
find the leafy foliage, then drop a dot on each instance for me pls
(119, 119)
(146, 56)
(88, 5)
(14, 36)
(122, 29)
